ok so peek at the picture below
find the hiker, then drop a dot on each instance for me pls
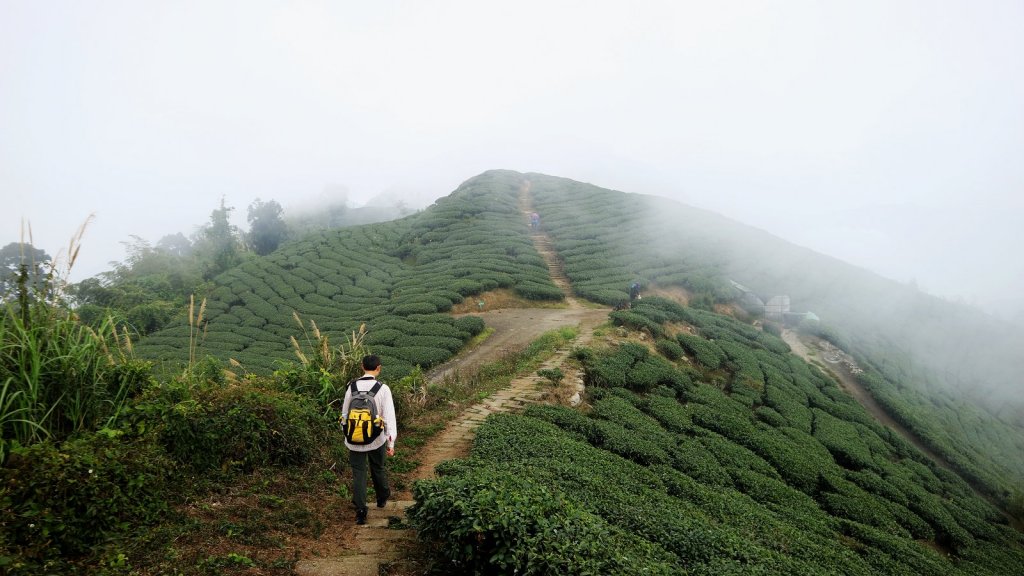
(534, 221)
(365, 448)
(634, 291)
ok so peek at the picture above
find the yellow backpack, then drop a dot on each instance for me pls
(362, 423)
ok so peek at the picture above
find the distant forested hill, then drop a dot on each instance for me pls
(943, 370)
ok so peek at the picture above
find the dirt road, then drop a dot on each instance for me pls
(851, 386)
(514, 328)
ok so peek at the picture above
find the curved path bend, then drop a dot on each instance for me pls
(365, 550)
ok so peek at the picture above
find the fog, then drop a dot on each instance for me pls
(887, 134)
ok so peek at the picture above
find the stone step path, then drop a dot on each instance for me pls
(542, 243)
(377, 542)
(385, 539)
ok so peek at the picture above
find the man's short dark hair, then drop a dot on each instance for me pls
(371, 362)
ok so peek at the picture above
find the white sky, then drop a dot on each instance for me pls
(887, 133)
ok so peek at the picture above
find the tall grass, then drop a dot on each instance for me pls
(324, 370)
(58, 376)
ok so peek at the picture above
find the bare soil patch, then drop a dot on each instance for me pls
(499, 299)
(514, 329)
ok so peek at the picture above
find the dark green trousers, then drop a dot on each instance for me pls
(358, 461)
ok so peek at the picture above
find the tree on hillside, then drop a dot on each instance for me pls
(144, 291)
(16, 257)
(217, 243)
(267, 228)
(175, 245)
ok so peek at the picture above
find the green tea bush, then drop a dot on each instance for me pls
(650, 372)
(635, 321)
(567, 420)
(842, 440)
(415, 308)
(619, 440)
(693, 458)
(442, 342)
(423, 356)
(768, 490)
(624, 413)
(672, 415)
(855, 504)
(704, 351)
(669, 349)
(493, 521)
(473, 325)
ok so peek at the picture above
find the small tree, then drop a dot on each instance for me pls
(267, 228)
(19, 258)
(218, 242)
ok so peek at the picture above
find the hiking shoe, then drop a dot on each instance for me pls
(361, 515)
(382, 499)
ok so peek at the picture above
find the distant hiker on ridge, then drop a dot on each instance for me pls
(634, 291)
(534, 221)
(370, 432)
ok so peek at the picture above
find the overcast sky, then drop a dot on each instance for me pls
(889, 134)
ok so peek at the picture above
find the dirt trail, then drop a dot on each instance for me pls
(841, 371)
(849, 384)
(363, 550)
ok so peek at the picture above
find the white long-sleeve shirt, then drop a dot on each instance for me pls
(385, 408)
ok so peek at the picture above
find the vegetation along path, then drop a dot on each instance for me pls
(383, 540)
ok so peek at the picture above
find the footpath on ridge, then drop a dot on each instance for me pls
(384, 540)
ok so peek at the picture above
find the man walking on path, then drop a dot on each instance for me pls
(374, 451)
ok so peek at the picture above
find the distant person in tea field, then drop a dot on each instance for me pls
(634, 291)
(370, 433)
(534, 221)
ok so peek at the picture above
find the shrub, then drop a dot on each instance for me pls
(704, 351)
(424, 356)
(471, 324)
(60, 500)
(669, 349)
(490, 520)
(415, 308)
(535, 291)
(636, 322)
(237, 428)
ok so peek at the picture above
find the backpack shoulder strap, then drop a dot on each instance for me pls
(376, 388)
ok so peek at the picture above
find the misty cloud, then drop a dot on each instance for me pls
(885, 133)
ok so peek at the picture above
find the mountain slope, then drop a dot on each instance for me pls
(397, 278)
(944, 371)
(930, 363)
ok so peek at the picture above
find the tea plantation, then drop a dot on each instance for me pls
(738, 458)
(943, 370)
(704, 448)
(398, 278)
